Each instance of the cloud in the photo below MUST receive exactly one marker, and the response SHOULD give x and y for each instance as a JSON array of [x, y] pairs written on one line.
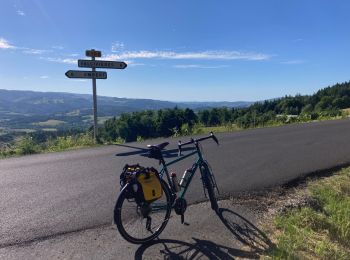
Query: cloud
[[206, 55], [20, 13], [117, 46], [198, 66], [292, 62], [60, 60], [35, 51], [4, 44], [57, 47], [44, 77], [132, 63]]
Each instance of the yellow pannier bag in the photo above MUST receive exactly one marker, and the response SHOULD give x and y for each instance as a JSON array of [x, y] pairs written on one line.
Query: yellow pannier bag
[[150, 183]]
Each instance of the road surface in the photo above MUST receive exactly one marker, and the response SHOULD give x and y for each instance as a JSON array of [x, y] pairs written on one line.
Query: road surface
[[50, 194]]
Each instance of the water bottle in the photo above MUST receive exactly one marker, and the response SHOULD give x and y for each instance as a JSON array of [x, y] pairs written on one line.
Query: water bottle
[[185, 178], [175, 182]]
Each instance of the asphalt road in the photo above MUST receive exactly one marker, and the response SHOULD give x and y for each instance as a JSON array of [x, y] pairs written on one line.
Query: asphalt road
[[57, 193]]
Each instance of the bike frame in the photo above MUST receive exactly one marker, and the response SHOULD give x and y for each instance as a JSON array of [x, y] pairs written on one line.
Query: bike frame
[[199, 161]]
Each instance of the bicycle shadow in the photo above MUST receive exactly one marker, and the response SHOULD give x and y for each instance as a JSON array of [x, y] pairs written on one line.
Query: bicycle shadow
[[175, 249], [254, 240], [245, 231], [171, 153]]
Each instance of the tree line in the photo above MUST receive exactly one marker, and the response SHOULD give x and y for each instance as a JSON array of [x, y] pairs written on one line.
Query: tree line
[[327, 102]]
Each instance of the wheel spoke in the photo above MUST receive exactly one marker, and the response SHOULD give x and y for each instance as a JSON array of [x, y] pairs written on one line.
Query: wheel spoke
[[131, 219]]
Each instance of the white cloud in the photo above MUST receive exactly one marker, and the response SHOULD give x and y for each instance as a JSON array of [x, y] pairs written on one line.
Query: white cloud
[[291, 62], [206, 55], [57, 47], [35, 51], [4, 44], [44, 77], [117, 46], [198, 66], [20, 13], [132, 63], [60, 60]]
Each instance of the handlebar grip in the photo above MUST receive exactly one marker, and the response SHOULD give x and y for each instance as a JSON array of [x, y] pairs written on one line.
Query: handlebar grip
[[214, 138], [179, 144]]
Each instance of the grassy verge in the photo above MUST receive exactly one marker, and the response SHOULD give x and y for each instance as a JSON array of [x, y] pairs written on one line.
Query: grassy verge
[[321, 231], [200, 129], [27, 146]]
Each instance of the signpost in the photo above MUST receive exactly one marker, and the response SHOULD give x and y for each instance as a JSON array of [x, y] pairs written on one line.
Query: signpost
[[81, 74], [93, 74], [93, 53], [102, 64]]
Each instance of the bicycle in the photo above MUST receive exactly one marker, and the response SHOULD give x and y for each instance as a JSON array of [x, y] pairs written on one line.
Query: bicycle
[[140, 223]]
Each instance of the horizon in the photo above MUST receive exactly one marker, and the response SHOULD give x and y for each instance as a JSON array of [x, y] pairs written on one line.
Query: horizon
[[89, 94], [178, 52], [180, 101]]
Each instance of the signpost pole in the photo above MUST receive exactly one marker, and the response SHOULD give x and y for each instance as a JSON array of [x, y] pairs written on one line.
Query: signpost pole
[[93, 64], [95, 103]]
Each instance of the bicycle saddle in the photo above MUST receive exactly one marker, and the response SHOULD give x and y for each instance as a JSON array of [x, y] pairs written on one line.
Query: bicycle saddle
[[158, 146], [155, 151]]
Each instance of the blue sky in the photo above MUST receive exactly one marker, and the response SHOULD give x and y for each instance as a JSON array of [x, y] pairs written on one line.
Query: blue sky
[[178, 50]]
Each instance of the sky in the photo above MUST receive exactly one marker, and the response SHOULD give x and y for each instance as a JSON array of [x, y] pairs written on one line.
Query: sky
[[180, 50]]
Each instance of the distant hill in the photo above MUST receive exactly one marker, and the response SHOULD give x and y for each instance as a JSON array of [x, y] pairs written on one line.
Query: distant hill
[[30, 109]]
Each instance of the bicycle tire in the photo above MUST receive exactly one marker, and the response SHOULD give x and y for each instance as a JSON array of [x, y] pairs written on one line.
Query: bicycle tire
[[209, 185], [122, 225]]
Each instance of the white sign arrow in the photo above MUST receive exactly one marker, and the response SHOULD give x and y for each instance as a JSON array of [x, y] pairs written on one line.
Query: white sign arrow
[[102, 64], [86, 74]]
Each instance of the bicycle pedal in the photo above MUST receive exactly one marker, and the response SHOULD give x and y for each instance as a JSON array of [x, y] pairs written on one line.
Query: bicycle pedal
[[183, 221]]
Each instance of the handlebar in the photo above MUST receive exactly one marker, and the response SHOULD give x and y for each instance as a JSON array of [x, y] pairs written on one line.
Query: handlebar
[[193, 141]]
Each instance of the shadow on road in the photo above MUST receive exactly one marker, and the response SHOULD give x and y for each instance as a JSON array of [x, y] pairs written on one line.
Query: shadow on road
[[253, 239], [244, 231], [199, 248], [145, 151]]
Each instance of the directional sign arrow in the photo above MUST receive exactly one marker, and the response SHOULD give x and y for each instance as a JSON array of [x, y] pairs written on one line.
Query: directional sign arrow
[[102, 64], [86, 74]]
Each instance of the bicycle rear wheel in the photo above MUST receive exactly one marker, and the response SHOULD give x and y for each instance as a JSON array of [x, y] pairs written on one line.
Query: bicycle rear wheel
[[139, 223], [209, 183]]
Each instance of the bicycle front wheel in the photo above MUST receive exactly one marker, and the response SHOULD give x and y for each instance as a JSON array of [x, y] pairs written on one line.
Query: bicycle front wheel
[[209, 183], [139, 223]]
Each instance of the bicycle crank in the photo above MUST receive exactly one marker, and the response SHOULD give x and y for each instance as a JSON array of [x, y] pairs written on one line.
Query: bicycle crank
[[180, 208]]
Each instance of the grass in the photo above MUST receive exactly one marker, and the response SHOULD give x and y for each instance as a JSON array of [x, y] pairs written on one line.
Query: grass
[[27, 146], [346, 112], [103, 119], [73, 113], [50, 122], [217, 129], [318, 232]]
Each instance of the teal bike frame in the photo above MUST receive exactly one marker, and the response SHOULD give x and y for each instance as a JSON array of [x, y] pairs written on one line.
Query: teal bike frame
[[194, 168], [199, 161]]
